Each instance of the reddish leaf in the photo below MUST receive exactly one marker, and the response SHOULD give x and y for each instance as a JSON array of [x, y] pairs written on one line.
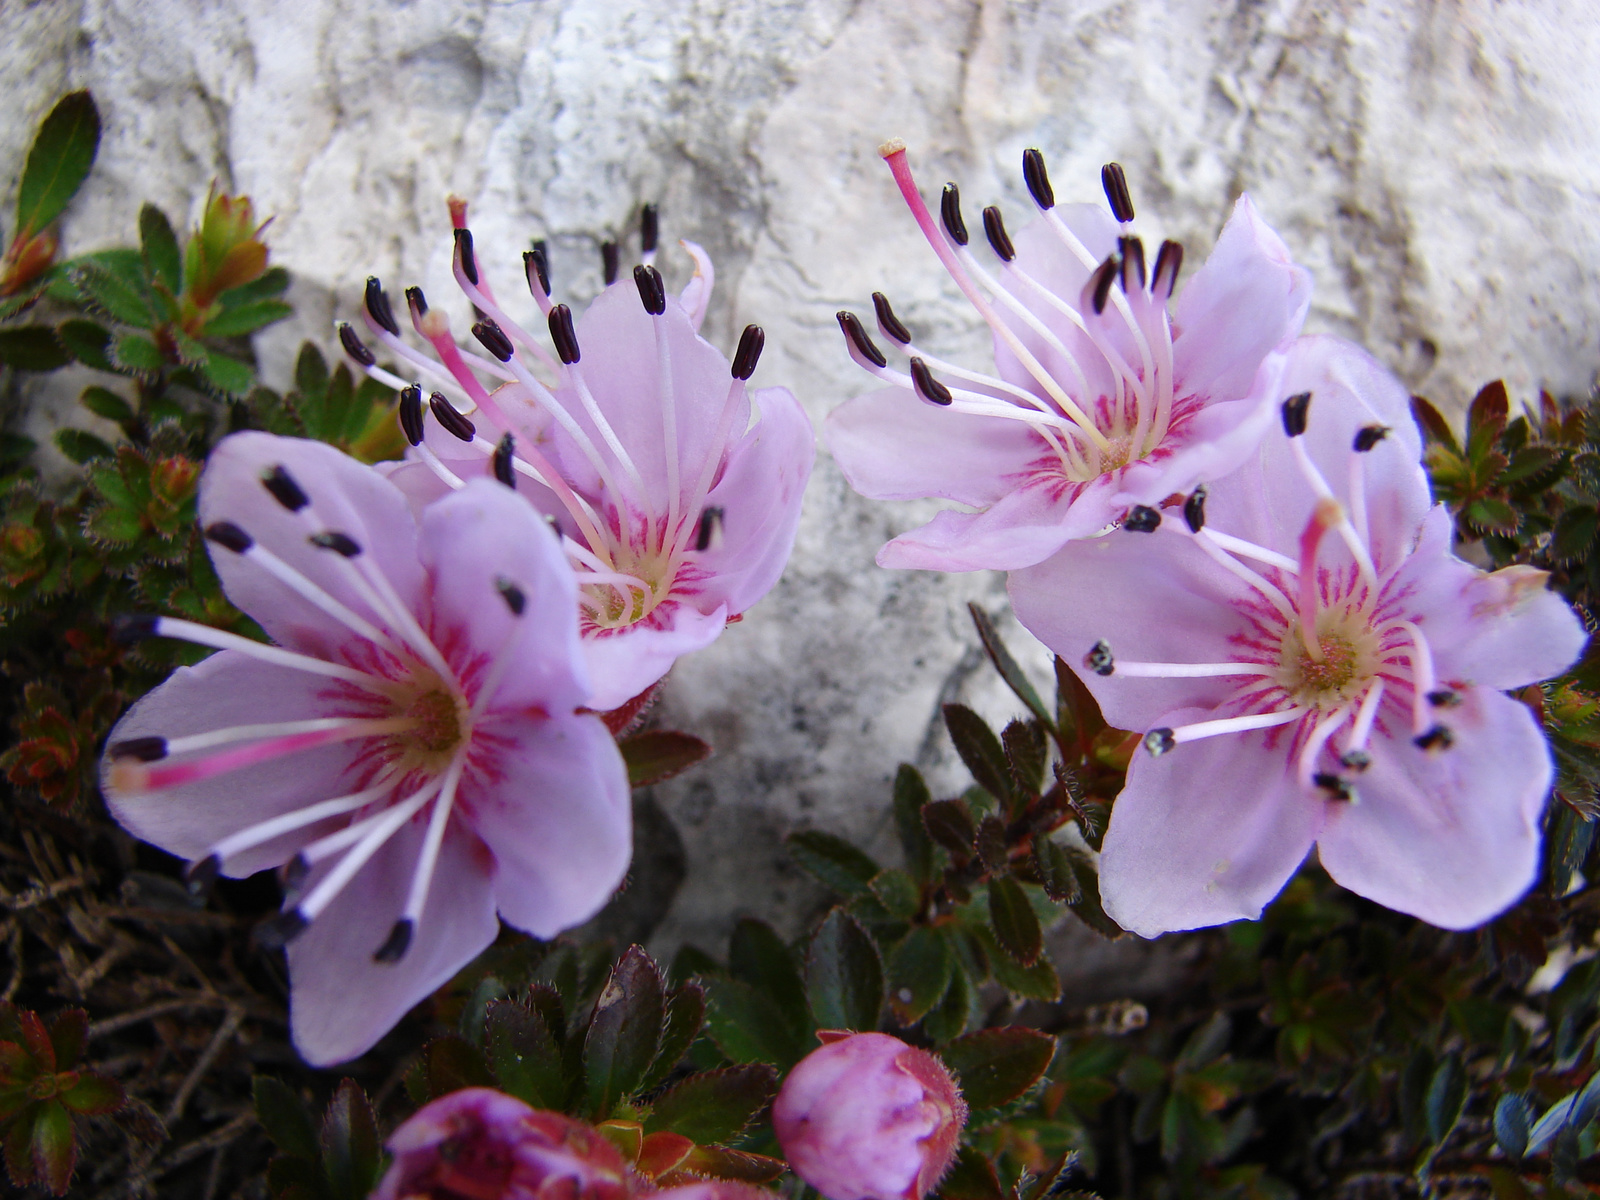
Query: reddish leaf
[[94, 1094], [37, 1041], [660, 754], [54, 1150], [66, 1036]]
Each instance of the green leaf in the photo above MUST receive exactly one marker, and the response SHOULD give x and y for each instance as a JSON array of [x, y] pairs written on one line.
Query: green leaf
[[449, 1064], [844, 975], [686, 1015], [58, 162], [910, 794], [160, 245], [1015, 925], [311, 372], [113, 294], [32, 348], [949, 822], [1038, 982], [832, 861], [105, 403], [748, 1026], [971, 1177], [898, 893], [919, 974], [1207, 1042], [88, 342], [1434, 424], [992, 847], [995, 1066], [274, 281], [715, 1106], [624, 1032], [1486, 419], [138, 353], [525, 1055], [1447, 1096], [659, 754], [54, 1148], [94, 1095], [1007, 666], [1512, 1120], [247, 318], [81, 446], [285, 1118], [759, 957], [980, 750], [351, 1156], [955, 1009], [1087, 907], [1053, 864], [228, 374]]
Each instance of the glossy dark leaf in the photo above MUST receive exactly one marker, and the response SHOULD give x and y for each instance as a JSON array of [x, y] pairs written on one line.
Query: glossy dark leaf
[[714, 1106], [286, 1119], [351, 1156], [844, 975], [54, 1147], [686, 1016], [162, 258], [32, 348], [955, 1010], [1024, 745], [748, 1026], [525, 1055], [1434, 424], [659, 754], [971, 1177], [995, 1066], [910, 795], [759, 957], [58, 162], [949, 822], [104, 403], [1446, 1097], [88, 342], [898, 893], [919, 973], [624, 1032], [1038, 982], [1512, 1120], [832, 861], [81, 446], [1007, 666], [1016, 926], [1486, 418], [980, 750]]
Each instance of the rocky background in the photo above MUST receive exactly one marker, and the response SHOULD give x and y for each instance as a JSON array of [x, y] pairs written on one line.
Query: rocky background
[[1436, 165]]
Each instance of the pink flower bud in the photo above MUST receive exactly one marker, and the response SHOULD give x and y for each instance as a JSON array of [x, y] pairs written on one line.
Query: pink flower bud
[[480, 1143], [868, 1117]]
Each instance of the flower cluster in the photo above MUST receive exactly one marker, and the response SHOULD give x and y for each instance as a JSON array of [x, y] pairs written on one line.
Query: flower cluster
[[1225, 529]]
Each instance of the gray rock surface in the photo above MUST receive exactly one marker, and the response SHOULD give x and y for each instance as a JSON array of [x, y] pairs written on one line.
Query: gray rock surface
[[1437, 166]]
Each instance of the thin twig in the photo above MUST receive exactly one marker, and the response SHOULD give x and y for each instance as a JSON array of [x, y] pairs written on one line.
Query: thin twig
[[161, 1009], [38, 895], [229, 1026]]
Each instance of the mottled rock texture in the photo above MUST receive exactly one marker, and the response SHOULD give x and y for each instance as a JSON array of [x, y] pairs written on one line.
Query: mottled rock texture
[[1437, 165]]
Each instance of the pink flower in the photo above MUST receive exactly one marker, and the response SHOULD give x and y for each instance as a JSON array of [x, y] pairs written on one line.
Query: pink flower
[[480, 1144], [409, 747], [1101, 401], [1312, 665], [635, 437], [867, 1117]]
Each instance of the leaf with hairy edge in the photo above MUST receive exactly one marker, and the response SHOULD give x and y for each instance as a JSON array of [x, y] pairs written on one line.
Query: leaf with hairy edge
[[88, 342], [980, 750], [686, 1015], [624, 1032], [525, 1055], [81, 446], [1053, 864], [844, 975], [759, 957], [285, 1118], [162, 258], [351, 1157], [447, 1064], [1087, 907], [58, 162], [996, 1066], [94, 1095], [919, 974], [32, 348], [954, 1011], [910, 794], [247, 318], [135, 352], [1038, 982], [714, 1106], [832, 861], [1026, 753], [949, 822], [228, 374], [971, 1177], [659, 754], [105, 403], [747, 1025], [898, 893], [1015, 924], [54, 1149], [1007, 666]]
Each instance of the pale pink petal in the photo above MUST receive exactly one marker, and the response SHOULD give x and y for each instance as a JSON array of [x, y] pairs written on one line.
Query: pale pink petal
[[557, 818], [346, 497], [1249, 297], [1153, 597], [621, 665], [341, 1001], [759, 495], [1207, 833], [224, 690], [1022, 528], [1450, 836], [696, 295], [892, 446], [478, 540]]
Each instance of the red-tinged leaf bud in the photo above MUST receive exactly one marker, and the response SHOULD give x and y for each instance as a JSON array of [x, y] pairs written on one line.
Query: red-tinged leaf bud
[[225, 252], [480, 1142], [26, 259], [868, 1117]]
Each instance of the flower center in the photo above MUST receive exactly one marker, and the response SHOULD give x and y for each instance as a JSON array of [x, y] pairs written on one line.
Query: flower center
[[618, 605], [440, 719], [1346, 667]]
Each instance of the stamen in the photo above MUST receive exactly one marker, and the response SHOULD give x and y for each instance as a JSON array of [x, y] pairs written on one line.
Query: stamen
[[994, 228], [503, 454], [1100, 659], [563, 335], [1355, 754], [378, 306], [1100, 283], [1167, 738], [1369, 436], [853, 330], [277, 932], [1444, 698], [1194, 509], [443, 473], [411, 414], [1337, 788], [1211, 544], [1420, 655], [355, 347], [929, 388], [1037, 179], [514, 597], [950, 213], [493, 338], [888, 323], [229, 536], [428, 858], [1318, 738], [652, 289], [648, 229], [1261, 554], [264, 831], [537, 270], [608, 262], [127, 628], [450, 419], [1438, 737], [1296, 413], [284, 489], [469, 261], [1141, 518], [382, 829], [1169, 261], [341, 544], [751, 342], [1116, 186], [397, 943], [314, 733], [139, 749], [710, 529], [204, 635], [1132, 250], [201, 875], [418, 303], [1159, 670], [1324, 517]]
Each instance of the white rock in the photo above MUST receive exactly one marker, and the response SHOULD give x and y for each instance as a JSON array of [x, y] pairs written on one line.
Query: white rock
[[1438, 168]]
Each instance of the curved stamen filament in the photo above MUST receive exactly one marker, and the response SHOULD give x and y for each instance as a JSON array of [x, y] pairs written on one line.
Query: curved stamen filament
[[1420, 655], [1316, 740], [1366, 715], [487, 305], [1158, 670], [1272, 594], [612, 441], [450, 479], [429, 366], [432, 840], [264, 831], [669, 420], [306, 588], [135, 777], [1246, 549], [1347, 531], [546, 399], [349, 727], [376, 832], [1325, 516], [204, 635], [1206, 729]]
